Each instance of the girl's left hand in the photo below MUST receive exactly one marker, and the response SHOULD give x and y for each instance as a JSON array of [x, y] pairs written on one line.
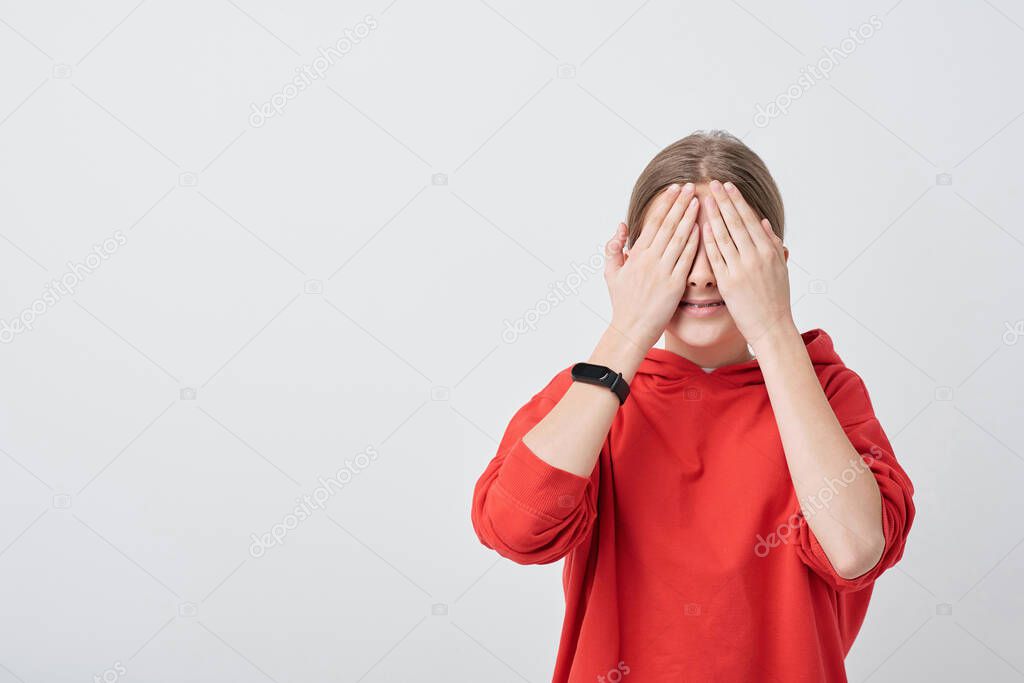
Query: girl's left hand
[[749, 263]]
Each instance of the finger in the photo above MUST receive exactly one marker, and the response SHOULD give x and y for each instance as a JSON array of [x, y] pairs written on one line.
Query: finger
[[613, 256], [774, 241], [682, 232], [747, 215], [737, 230], [656, 211], [720, 232], [718, 264], [672, 219], [689, 253]]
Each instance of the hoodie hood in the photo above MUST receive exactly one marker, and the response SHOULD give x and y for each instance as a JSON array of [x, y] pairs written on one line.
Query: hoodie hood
[[668, 366]]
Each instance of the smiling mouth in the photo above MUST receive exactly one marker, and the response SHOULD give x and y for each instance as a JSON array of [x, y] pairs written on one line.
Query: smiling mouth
[[701, 304]]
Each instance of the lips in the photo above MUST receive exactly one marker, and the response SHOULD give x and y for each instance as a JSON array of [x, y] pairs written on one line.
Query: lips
[[709, 308], [701, 304]]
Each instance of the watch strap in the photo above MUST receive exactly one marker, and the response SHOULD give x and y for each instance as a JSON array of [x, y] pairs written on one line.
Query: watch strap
[[603, 376]]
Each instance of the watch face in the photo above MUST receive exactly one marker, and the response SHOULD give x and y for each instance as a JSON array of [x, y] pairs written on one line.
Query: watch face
[[588, 371]]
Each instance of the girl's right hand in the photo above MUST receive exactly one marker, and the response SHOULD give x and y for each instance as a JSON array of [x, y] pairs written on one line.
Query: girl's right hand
[[647, 284]]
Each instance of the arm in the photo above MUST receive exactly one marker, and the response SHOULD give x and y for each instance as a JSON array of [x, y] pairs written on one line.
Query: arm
[[749, 262], [817, 450], [851, 404], [569, 437], [536, 501], [645, 290]]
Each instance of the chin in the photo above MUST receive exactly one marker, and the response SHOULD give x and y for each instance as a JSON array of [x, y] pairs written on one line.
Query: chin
[[703, 332]]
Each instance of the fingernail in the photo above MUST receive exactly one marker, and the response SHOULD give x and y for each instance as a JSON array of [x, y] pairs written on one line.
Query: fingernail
[[693, 202], [688, 187], [715, 184], [730, 186], [673, 187]]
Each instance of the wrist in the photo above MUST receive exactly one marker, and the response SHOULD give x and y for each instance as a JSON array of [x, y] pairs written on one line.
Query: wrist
[[620, 352], [782, 332]]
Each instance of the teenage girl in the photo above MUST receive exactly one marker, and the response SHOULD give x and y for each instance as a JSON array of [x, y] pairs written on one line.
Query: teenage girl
[[723, 504]]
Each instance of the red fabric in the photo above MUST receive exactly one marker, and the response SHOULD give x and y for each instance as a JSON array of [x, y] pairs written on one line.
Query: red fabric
[[687, 557]]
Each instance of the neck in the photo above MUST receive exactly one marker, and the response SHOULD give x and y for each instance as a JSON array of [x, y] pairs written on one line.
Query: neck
[[726, 352]]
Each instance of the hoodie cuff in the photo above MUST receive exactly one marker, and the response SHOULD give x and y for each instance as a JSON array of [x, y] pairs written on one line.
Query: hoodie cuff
[[539, 487]]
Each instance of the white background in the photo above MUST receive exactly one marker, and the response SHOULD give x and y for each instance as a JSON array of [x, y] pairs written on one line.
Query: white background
[[321, 295]]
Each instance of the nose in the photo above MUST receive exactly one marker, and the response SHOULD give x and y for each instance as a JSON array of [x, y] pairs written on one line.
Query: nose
[[701, 276]]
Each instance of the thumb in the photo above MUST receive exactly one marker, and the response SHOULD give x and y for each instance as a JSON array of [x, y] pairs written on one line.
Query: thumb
[[613, 257]]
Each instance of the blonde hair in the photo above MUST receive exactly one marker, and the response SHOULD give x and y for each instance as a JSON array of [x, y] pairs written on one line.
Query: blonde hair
[[700, 157]]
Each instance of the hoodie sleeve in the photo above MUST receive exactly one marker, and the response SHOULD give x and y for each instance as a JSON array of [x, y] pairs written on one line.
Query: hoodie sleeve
[[524, 508], [850, 401]]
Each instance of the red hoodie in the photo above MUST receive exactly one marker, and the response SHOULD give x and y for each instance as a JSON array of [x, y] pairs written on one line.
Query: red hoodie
[[687, 555]]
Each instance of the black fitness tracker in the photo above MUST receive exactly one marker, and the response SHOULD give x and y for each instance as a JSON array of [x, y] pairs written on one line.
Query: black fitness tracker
[[588, 373]]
